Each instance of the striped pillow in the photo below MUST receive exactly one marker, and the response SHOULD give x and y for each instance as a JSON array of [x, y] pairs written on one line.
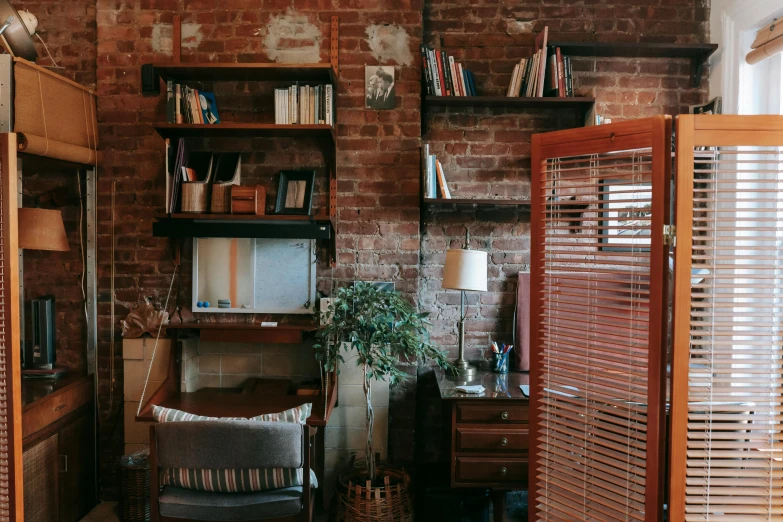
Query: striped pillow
[[298, 415], [235, 480]]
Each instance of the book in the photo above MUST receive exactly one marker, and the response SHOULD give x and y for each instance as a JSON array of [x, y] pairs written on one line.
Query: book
[[568, 76], [435, 75], [461, 78], [329, 105], [443, 85], [526, 76], [512, 83], [540, 46], [425, 171], [444, 189], [170, 109], [453, 76], [209, 110], [427, 74], [561, 88], [177, 103], [472, 83]]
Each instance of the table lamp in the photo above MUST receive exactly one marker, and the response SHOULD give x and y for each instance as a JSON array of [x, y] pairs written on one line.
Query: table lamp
[[41, 229], [464, 270]]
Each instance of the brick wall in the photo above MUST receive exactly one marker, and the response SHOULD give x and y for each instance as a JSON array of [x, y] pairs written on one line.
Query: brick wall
[[484, 151]]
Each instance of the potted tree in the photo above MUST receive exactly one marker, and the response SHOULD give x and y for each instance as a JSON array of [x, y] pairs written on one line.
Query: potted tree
[[384, 330]]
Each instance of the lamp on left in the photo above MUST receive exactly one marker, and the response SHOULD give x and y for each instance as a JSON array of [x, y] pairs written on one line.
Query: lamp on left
[[42, 229]]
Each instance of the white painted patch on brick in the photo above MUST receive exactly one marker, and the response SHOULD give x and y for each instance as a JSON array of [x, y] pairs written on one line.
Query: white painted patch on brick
[[518, 26], [389, 43], [162, 37], [292, 38]]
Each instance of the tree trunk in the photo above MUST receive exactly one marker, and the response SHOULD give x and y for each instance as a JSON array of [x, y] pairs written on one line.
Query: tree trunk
[[369, 457]]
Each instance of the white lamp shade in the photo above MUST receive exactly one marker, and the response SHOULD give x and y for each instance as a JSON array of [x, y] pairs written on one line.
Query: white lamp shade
[[465, 270]]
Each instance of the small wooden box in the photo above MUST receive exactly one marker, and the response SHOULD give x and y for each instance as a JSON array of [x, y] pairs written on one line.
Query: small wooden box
[[248, 200]]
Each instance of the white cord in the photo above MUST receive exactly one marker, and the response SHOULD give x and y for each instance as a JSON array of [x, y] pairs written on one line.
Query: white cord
[[47, 50]]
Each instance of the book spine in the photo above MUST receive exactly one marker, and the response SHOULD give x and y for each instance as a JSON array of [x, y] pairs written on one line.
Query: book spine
[[425, 154], [329, 105], [472, 82], [460, 79], [170, 112], [569, 79], [435, 75], [453, 77], [444, 88], [425, 72], [444, 189], [444, 58], [512, 82], [177, 103], [432, 172], [561, 89]]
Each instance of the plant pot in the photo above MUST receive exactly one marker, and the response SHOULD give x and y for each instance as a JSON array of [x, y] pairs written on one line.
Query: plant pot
[[357, 500]]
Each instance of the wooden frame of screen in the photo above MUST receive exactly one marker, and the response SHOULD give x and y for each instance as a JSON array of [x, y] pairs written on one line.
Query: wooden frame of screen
[[696, 131], [10, 273], [651, 132]]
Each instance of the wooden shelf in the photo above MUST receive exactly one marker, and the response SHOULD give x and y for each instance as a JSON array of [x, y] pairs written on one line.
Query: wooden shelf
[[243, 130], [582, 104], [281, 227], [462, 202], [255, 72], [240, 217], [696, 53], [248, 333]]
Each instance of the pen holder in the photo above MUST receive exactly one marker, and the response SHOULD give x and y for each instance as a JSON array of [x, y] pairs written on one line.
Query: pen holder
[[500, 362]]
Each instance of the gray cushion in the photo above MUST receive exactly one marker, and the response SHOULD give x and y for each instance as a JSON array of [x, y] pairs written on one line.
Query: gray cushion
[[229, 444], [189, 504]]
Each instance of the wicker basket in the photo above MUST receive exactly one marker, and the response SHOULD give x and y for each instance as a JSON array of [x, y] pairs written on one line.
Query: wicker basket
[[134, 478], [360, 502]]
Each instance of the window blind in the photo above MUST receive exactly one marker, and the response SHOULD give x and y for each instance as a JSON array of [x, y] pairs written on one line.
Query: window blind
[[727, 396], [598, 292], [11, 498]]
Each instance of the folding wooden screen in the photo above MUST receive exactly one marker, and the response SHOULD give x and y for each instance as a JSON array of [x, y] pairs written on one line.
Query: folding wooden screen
[[727, 382], [11, 499], [599, 270]]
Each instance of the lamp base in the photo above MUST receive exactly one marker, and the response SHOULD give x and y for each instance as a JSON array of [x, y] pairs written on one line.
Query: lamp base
[[465, 370]]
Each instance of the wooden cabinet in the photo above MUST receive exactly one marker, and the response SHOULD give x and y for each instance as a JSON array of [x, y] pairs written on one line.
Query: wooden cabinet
[[490, 435], [59, 450]]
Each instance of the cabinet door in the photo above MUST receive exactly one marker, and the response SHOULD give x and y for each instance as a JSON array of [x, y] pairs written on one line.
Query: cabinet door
[[40, 481], [77, 468]]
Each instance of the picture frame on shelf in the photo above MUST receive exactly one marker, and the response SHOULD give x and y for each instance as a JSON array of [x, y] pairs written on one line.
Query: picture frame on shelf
[[295, 192]]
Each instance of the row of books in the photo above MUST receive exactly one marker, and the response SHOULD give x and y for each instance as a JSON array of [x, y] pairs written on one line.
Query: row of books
[[445, 77], [557, 78], [305, 105], [187, 105], [434, 176]]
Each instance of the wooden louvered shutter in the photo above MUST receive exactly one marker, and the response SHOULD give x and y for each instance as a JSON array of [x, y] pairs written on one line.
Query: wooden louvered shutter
[[598, 291], [11, 494], [727, 380]]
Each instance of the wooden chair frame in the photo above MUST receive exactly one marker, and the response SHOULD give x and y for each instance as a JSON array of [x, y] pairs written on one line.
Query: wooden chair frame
[[308, 493]]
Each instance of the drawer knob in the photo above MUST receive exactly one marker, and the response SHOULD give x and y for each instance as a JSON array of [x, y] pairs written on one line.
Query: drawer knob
[[504, 415], [504, 441], [503, 471]]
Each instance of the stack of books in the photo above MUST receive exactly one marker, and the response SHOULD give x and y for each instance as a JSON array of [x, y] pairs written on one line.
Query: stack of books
[[434, 176], [305, 105], [445, 77], [187, 105], [546, 73]]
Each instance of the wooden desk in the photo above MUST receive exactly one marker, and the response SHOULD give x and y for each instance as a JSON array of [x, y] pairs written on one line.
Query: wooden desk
[[58, 425], [489, 435]]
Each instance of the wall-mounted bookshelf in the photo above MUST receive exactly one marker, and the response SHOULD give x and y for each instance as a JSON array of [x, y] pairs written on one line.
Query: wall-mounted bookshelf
[[696, 53], [250, 72], [242, 226], [474, 202], [580, 104], [244, 130]]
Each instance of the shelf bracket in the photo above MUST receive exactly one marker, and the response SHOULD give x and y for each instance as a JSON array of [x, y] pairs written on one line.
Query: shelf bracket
[[697, 64], [334, 45], [176, 39]]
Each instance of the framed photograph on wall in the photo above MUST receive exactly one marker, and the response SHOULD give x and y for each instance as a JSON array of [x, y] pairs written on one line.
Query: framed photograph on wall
[[380, 93], [295, 192]]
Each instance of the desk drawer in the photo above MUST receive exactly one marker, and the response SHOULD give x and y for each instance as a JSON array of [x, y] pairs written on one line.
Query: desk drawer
[[491, 470], [55, 407], [499, 414], [471, 439]]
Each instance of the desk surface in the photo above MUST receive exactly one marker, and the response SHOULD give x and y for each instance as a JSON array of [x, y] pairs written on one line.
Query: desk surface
[[36, 389], [497, 386]]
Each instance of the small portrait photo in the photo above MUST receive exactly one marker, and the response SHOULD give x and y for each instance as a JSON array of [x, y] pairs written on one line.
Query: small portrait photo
[[295, 192], [379, 84]]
